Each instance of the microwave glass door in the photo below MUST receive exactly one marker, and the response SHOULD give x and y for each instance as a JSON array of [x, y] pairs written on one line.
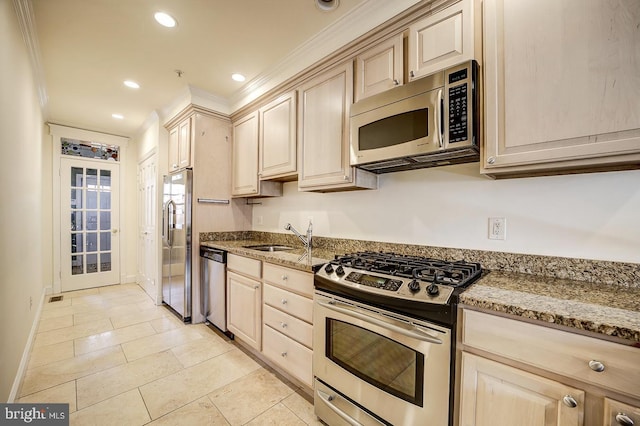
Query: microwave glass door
[[397, 129], [384, 363]]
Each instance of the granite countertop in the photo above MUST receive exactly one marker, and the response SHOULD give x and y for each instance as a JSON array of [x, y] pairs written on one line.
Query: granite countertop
[[605, 303], [603, 309], [289, 258]]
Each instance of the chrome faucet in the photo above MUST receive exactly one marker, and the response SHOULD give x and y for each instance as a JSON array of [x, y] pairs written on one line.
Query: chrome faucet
[[306, 240]]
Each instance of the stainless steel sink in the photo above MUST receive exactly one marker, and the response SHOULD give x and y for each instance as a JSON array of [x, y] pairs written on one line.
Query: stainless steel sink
[[269, 247]]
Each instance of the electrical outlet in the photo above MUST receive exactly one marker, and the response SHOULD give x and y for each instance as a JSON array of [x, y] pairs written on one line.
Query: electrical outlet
[[497, 228]]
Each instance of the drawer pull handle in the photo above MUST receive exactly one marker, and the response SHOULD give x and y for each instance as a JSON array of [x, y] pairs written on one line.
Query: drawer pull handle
[[283, 324], [596, 366], [624, 420], [284, 278], [284, 354], [284, 301], [570, 401]]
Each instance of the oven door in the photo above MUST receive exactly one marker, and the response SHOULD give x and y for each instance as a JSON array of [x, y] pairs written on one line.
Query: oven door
[[394, 367]]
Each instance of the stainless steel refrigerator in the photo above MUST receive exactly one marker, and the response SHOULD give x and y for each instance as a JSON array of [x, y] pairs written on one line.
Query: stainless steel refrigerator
[[176, 242]]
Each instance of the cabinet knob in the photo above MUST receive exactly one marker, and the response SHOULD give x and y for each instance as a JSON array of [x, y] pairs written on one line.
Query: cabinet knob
[[412, 74], [596, 366], [283, 354], [570, 401], [396, 82], [491, 160], [285, 277], [624, 420], [256, 287], [283, 324], [284, 301]]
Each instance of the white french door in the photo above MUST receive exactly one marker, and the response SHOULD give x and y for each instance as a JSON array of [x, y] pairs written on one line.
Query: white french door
[[89, 223]]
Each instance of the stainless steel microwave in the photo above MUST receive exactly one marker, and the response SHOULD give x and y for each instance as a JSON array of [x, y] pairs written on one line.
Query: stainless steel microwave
[[432, 121]]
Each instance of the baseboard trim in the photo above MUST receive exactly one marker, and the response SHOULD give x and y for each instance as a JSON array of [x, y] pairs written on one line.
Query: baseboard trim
[[24, 361]]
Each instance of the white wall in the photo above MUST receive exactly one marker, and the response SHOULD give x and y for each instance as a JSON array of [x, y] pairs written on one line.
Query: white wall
[[21, 248], [590, 216]]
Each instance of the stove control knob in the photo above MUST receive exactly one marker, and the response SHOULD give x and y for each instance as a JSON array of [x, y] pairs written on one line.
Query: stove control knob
[[432, 290], [328, 269], [340, 271], [414, 286]]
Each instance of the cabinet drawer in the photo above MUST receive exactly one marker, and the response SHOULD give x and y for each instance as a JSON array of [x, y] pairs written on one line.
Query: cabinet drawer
[[288, 354], [244, 265], [298, 281], [298, 330], [616, 413], [557, 351], [293, 304]]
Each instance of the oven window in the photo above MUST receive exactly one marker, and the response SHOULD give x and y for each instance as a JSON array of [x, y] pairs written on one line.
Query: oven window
[[394, 130], [382, 362]]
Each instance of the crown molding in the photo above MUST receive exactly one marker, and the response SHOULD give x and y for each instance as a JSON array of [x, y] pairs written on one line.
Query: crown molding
[[363, 18], [27, 24]]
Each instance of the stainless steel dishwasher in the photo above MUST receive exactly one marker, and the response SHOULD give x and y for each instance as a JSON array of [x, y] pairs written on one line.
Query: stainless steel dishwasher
[[213, 277]]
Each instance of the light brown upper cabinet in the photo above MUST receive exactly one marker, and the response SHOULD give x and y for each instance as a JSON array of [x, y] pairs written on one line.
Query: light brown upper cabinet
[[562, 86], [441, 40], [180, 144], [277, 140], [245, 156], [323, 133], [379, 68], [244, 163]]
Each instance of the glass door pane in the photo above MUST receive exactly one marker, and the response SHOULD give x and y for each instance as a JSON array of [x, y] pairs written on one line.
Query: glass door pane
[[91, 209]]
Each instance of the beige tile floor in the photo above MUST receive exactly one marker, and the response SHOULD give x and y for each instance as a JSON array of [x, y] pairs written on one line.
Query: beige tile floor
[[117, 359]]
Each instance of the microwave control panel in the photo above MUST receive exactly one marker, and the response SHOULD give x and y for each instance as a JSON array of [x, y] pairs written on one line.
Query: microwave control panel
[[458, 107]]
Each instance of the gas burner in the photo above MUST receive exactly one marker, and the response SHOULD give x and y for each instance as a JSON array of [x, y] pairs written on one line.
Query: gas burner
[[421, 287], [452, 273]]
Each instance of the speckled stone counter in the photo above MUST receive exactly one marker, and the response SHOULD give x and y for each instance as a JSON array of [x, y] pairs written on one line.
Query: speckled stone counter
[[599, 297], [598, 308]]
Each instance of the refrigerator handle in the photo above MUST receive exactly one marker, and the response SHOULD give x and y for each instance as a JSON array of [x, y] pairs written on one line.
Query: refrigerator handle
[[171, 222]]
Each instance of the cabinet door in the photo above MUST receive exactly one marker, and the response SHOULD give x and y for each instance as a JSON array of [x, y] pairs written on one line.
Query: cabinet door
[[278, 138], [562, 85], [184, 144], [323, 133], [180, 145], [244, 313], [245, 156], [617, 413], [173, 149], [379, 68], [493, 393], [441, 40]]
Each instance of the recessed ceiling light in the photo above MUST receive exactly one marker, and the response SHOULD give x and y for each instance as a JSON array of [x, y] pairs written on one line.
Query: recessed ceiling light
[[238, 77], [165, 19], [132, 84], [118, 116]]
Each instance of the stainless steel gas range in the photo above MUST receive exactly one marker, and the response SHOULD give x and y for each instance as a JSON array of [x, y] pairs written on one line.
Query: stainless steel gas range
[[384, 334]]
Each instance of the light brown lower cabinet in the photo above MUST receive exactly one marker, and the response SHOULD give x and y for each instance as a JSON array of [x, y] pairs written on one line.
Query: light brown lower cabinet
[[244, 309], [514, 372], [496, 394], [617, 413]]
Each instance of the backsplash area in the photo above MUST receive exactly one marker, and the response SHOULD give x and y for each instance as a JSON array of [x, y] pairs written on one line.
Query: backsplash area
[[595, 271]]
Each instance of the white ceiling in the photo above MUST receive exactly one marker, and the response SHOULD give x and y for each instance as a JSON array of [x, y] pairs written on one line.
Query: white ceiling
[[89, 47]]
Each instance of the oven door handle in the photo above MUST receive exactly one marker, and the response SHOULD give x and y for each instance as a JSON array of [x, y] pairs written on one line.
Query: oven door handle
[[414, 332], [327, 400]]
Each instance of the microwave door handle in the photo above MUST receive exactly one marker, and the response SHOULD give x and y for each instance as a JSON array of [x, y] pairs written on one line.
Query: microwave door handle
[[414, 332], [440, 118]]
